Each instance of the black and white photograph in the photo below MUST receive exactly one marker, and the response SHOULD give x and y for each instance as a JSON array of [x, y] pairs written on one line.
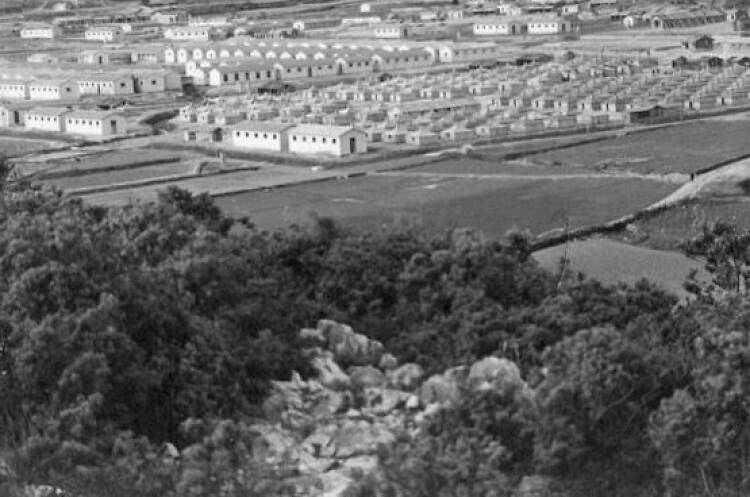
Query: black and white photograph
[[374, 248]]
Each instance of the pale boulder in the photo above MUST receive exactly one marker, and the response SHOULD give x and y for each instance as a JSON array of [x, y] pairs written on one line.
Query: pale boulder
[[535, 486], [356, 438], [439, 389], [321, 442], [350, 347], [406, 377], [383, 401], [388, 362], [366, 377], [495, 369], [329, 373]]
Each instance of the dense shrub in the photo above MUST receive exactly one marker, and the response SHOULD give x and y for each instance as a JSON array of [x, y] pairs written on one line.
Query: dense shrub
[[126, 330]]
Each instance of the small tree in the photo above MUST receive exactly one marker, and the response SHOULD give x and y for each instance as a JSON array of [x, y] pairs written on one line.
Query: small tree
[[727, 254], [5, 169]]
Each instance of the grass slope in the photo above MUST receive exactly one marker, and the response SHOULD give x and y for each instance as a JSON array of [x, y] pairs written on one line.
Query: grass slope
[[612, 262], [669, 228]]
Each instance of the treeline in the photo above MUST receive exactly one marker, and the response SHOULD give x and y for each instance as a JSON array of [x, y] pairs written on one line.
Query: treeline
[[123, 329]]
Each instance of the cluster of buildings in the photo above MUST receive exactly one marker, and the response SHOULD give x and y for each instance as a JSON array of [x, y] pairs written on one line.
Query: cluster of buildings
[[422, 75], [70, 82], [673, 17], [395, 22], [252, 61], [302, 139], [536, 25], [90, 123], [105, 27], [427, 110], [39, 31]]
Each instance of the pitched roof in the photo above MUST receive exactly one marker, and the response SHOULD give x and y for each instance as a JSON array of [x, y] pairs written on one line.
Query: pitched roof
[[39, 25], [104, 28], [92, 114], [49, 111], [102, 77], [49, 82], [321, 130], [263, 126]]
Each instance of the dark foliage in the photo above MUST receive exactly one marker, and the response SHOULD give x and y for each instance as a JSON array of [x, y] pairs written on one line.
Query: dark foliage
[[124, 329]]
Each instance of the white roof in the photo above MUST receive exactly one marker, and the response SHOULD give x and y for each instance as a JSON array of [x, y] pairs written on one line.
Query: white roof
[[37, 26], [104, 28], [49, 111], [321, 130], [49, 82], [263, 126], [92, 114]]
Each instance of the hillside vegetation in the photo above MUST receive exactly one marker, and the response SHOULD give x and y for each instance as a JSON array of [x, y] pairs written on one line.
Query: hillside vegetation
[[141, 348]]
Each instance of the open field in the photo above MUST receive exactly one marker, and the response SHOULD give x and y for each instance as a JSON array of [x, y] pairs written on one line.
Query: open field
[[436, 204], [669, 228], [253, 176], [469, 165], [72, 165], [676, 149], [529, 146], [613, 262], [18, 146], [171, 169]]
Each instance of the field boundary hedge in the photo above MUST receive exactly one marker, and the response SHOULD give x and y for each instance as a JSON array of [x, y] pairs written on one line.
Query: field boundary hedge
[[621, 223]]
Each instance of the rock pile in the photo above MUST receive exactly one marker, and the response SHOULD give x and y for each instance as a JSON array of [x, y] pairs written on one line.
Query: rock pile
[[330, 427]]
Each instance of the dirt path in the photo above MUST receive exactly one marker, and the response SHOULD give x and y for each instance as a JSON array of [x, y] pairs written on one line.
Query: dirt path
[[727, 176]]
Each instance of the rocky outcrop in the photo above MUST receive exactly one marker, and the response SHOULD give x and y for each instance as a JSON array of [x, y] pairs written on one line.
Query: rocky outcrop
[[366, 377], [328, 429], [406, 377], [329, 373], [536, 486], [498, 374], [331, 426], [349, 347], [443, 389], [388, 362]]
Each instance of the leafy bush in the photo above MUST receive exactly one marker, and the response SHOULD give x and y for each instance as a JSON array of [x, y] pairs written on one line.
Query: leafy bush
[[125, 332]]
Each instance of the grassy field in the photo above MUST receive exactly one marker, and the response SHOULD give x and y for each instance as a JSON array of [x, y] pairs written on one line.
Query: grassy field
[[670, 228], [434, 204], [528, 146], [676, 149], [11, 147], [123, 159], [613, 262], [469, 165], [122, 176]]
